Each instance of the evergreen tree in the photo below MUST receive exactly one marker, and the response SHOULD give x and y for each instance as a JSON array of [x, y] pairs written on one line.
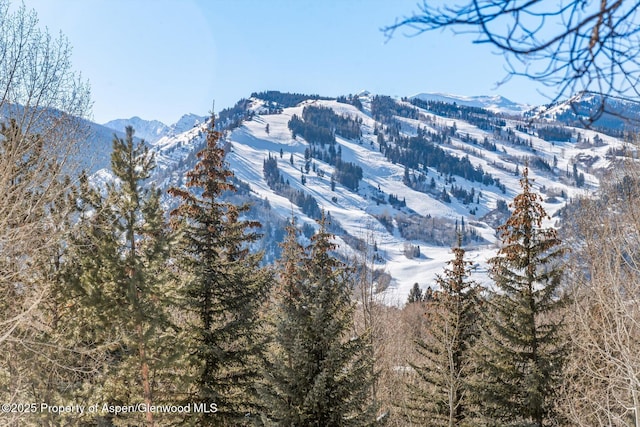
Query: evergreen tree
[[145, 252], [282, 381], [319, 375], [223, 292], [121, 283], [97, 292], [440, 397], [521, 352], [415, 294]]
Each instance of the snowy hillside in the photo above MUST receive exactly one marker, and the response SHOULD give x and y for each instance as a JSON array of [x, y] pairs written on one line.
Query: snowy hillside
[[496, 103], [612, 116], [405, 176]]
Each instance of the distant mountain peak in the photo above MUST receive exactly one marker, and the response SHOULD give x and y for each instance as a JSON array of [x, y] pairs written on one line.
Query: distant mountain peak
[[187, 122], [590, 109], [149, 130], [495, 103], [154, 130]]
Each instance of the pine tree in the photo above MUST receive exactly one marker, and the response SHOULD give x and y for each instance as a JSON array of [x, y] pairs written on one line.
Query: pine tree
[[521, 351], [281, 389], [319, 375], [121, 282], [415, 294], [86, 316], [440, 397], [223, 293]]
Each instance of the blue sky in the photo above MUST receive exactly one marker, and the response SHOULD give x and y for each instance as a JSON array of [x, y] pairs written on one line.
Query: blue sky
[[160, 59]]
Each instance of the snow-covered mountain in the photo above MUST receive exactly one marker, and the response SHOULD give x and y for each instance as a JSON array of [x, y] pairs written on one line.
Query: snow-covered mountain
[[404, 177], [153, 130], [495, 103], [186, 123], [611, 115], [95, 141], [149, 130]]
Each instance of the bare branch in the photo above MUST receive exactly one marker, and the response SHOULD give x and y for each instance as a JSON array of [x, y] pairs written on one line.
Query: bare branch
[[41, 102], [574, 46]]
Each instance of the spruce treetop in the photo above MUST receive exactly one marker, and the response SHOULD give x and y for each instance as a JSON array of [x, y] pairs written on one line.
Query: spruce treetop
[[524, 229], [209, 174]]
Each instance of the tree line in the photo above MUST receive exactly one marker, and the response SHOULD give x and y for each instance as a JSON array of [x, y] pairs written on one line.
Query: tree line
[[423, 150], [479, 117], [276, 182], [318, 126]]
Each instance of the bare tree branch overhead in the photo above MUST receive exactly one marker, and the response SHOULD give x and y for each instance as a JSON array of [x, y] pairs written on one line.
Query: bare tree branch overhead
[[571, 46]]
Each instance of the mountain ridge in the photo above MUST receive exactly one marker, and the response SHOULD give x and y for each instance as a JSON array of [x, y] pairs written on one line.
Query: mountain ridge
[[154, 130], [428, 172], [494, 103]]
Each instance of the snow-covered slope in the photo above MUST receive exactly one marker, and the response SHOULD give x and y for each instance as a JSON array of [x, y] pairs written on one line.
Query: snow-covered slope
[[96, 154], [398, 208], [355, 211], [495, 103], [611, 115], [93, 151], [367, 214]]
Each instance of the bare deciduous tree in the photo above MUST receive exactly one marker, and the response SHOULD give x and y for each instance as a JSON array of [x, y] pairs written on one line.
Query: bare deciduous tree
[[571, 46], [372, 318], [602, 385], [41, 102]]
